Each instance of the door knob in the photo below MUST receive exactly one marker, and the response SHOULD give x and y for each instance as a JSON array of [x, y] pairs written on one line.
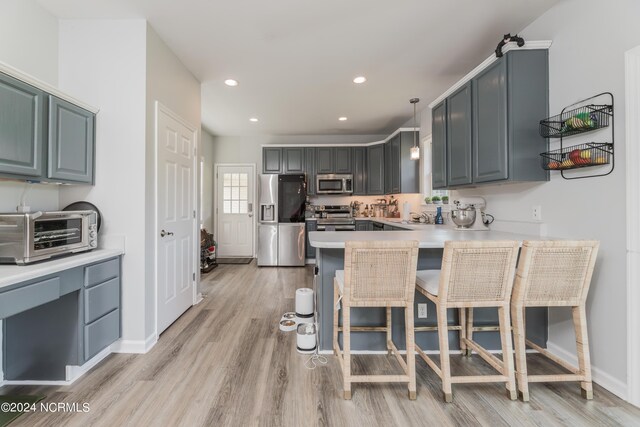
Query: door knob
[[165, 233]]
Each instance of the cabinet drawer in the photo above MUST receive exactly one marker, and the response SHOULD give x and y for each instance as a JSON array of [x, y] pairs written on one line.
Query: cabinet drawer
[[101, 333], [101, 299], [104, 271], [26, 297]]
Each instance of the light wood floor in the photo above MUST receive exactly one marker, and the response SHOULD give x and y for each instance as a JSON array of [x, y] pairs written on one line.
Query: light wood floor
[[224, 362]]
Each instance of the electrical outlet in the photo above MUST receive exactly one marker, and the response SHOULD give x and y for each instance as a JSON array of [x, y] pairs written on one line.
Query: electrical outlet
[[536, 213], [422, 311]]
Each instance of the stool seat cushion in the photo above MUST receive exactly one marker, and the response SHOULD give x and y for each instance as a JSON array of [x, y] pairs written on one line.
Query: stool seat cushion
[[340, 280], [429, 280]]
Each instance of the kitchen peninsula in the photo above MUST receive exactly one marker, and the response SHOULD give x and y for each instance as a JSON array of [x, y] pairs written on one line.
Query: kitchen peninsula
[[329, 247]]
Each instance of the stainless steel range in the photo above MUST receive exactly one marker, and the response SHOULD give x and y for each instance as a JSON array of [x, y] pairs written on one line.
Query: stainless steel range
[[336, 218]]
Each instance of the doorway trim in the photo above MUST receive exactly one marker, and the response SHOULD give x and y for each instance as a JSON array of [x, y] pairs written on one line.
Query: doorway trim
[[197, 297], [632, 137], [216, 203]]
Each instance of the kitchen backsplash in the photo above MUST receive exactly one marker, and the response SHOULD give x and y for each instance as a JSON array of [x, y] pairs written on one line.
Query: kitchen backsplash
[[415, 200]]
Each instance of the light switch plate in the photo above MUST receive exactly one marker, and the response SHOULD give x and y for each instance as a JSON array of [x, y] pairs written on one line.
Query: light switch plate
[[422, 311]]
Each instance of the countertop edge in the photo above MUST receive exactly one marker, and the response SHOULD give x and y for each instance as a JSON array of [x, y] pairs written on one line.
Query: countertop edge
[[13, 274]]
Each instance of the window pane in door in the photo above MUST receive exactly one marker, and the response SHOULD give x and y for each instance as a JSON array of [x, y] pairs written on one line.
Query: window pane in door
[[226, 207], [243, 207]]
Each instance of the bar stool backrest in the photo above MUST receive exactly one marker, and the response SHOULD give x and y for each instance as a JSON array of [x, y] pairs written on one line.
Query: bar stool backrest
[[477, 272], [380, 273], [555, 272]]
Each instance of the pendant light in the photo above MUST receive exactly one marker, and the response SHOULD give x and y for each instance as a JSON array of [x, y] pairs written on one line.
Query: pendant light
[[415, 150]]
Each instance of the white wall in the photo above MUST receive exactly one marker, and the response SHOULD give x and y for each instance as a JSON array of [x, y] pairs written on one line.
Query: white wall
[[583, 62], [29, 42], [170, 83], [207, 153], [103, 62]]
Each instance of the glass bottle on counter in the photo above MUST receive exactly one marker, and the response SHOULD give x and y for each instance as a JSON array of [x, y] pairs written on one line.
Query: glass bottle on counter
[[439, 220]]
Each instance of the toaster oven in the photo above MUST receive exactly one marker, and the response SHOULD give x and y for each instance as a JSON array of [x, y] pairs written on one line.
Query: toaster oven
[[31, 237]]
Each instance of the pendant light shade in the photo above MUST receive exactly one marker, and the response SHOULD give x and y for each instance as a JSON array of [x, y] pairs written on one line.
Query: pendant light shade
[[415, 150]]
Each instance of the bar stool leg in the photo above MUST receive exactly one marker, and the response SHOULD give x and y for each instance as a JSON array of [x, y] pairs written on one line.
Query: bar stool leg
[[469, 326], [507, 351], [346, 339], [389, 335], [519, 334], [335, 320], [443, 337], [582, 345], [411, 350], [462, 316]]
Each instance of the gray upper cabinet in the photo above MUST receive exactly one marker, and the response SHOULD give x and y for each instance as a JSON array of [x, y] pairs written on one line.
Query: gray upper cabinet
[[294, 160], [359, 169], [408, 169], [310, 170], [325, 160], [342, 160], [438, 146], [71, 142], [375, 169], [459, 137], [271, 160], [22, 128], [507, 100], [395, 164], [388, 167]]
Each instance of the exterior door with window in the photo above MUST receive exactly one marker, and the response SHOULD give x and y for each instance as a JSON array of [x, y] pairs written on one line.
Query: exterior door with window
[[234, 210]]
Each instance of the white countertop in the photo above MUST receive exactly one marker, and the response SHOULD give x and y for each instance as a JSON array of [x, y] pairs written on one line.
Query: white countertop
[[429, 236], [12, 274]]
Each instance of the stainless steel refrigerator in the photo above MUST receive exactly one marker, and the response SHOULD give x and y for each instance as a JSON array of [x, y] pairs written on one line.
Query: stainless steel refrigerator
[[281, 226]]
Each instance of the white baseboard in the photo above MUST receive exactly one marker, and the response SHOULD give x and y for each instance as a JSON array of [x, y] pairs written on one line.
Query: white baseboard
[[135, 346], [72, 373], [614, 385]]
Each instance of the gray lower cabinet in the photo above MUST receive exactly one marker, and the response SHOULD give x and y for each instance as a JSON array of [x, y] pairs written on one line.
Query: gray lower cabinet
[[375, 169], [23, 129], [310, 170], [364, 225], [69, 317], [325, 160], [359, 168], [294, 160], [71, 142], [342, 159], [272, 160], [459, 137], [310, 250]]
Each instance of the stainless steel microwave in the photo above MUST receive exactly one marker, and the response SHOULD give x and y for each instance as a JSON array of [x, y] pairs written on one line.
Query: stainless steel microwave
[[334, 184], [31, 237]]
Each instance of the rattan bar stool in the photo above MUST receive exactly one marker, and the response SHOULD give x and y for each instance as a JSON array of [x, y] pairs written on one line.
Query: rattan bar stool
[[376, 274], [554, 274], [474, 274]]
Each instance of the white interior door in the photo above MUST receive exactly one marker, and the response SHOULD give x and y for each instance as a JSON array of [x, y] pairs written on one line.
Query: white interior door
[[234, 210], [175, 263]]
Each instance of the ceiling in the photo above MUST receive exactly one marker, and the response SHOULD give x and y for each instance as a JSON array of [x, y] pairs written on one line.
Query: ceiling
[[295, 59]]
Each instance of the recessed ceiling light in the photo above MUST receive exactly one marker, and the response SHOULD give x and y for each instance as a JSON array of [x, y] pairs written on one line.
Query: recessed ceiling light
[[253, 119], [360, 79], [342, 119], [231, 82]]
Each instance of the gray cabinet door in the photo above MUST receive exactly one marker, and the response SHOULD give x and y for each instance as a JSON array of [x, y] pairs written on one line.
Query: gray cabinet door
[[310, 170], [293, 160], [439, 146], [409, 168], [325, 160], [71, 142], [342, 159], [359, 169], [459, 137], [22, 128], [271, 160], [375, 170], [388, 167], [490, 160], [310, 250], [395, 164], [363, 225]]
